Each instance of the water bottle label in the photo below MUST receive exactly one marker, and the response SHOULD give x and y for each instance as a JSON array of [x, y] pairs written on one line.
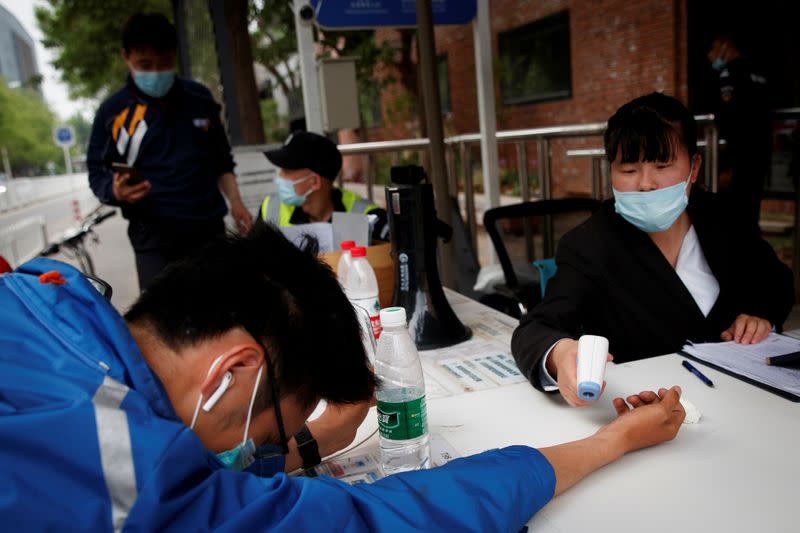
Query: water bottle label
[[373, 309], [402, 420]]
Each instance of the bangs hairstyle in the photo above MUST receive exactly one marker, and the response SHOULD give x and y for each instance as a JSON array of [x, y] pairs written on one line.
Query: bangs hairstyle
[[653, 128], [275, 291]]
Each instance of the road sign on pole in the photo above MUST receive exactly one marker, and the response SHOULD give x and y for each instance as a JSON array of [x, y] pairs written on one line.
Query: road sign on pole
[[357, 14], [64, 136]]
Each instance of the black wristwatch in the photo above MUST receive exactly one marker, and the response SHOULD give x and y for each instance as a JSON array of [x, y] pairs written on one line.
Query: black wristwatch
[[307, 446]]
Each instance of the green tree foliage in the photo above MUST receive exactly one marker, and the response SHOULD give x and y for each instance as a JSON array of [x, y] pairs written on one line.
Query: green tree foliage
[[86, 37], [83, 129], [26, 131]]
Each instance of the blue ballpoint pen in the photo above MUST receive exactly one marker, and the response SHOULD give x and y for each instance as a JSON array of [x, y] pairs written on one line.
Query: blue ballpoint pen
[[688, 366]]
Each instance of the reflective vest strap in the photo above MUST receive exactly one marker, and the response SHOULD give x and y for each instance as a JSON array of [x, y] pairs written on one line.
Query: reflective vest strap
[[286, 214], [353, 203], [276, 212]]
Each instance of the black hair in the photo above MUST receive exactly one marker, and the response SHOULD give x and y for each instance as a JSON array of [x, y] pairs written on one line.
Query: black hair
[[149, 30], [654, 127], [277, 292]]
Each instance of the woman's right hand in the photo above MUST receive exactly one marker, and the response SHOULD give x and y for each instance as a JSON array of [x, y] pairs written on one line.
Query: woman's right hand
[[562, 364]]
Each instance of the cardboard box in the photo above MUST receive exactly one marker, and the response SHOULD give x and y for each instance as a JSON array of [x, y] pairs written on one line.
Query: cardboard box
[[379, 257]]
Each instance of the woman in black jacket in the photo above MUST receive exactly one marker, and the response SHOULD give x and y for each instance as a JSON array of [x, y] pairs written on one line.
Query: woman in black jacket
[[663, 263]]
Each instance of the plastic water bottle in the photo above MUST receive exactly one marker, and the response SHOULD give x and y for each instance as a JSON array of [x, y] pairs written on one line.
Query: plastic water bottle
[[402, 417], [345, 262], [361, 287]]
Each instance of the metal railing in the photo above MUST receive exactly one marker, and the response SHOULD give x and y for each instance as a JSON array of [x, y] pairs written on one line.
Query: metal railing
[[458, 149]]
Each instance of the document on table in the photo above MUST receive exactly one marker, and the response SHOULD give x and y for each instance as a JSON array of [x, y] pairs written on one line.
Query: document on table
[[749, 360], [365, 467]]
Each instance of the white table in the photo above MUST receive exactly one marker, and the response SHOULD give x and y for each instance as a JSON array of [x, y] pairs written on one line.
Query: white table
[[735, 471]]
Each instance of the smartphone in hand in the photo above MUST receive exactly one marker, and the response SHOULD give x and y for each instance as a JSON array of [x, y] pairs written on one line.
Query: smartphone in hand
[[134, 179]]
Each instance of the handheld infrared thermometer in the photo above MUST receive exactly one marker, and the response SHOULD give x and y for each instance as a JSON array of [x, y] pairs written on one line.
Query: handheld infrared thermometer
[[592, 356]]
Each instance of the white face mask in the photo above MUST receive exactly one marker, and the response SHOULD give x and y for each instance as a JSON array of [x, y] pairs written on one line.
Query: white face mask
[[654, 211], [243, 455]]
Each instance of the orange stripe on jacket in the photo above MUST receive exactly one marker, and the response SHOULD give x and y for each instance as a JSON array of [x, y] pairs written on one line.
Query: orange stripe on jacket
[[119, 120], [138, 114]]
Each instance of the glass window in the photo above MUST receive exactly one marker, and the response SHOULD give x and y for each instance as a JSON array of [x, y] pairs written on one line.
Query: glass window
[[535, 61], [444, 84]]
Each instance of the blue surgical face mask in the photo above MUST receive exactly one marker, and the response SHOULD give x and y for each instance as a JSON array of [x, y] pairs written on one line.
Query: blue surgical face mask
[[288, 195], [243, 455], [653, 211], [154, 83]]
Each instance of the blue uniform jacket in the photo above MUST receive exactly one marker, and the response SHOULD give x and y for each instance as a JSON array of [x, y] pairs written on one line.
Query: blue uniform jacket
[[89, 441], [176, 142]]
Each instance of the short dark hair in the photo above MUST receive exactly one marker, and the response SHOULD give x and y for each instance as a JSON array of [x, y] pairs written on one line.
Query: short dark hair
[[149, 30], [283, 295], [650, 128]]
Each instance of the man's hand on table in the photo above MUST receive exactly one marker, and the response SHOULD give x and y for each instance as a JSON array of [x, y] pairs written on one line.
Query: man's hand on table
[[651, 419], [562, 364]]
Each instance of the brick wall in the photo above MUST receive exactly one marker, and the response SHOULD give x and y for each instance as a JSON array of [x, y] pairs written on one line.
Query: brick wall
[[620, 49]]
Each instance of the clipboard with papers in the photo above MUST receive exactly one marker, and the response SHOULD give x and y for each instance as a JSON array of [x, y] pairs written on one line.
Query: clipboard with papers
[[748, 362]]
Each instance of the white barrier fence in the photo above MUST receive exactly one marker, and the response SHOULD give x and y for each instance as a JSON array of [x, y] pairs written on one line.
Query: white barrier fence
[[20, 192]]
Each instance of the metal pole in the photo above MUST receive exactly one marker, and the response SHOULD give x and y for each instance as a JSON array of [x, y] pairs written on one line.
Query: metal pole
[[484, 75], [369, 175], [6, 164], [452, 179], [707, 157], [714, 156], [469, 194], [312, 104], [605, 178], [796, 250], [184, 59], [67, 159], [544, 177], [597, 182], [525, 192], [433, 118]]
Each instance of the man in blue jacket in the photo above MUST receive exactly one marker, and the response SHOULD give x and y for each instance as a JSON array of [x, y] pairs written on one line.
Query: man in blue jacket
[[159, 151], [177, 417]]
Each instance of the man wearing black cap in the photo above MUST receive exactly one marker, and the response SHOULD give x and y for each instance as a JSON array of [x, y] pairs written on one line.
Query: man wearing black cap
[[308, 164]]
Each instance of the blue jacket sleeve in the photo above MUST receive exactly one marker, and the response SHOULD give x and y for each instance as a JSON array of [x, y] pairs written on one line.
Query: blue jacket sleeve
[[98, 157], [497, 490]]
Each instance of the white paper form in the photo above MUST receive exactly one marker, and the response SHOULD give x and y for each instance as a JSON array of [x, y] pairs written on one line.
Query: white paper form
[[322, 231], [480, 363], [365, 467], [749, 360]]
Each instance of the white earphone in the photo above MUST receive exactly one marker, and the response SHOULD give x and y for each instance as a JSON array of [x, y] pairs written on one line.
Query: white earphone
[[214, 398]]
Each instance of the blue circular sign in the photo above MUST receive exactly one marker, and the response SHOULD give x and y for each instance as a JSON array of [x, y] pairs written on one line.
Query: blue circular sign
[[64, 136]]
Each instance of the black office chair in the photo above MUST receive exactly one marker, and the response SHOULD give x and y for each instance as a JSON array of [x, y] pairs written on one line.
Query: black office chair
[[519, 228]]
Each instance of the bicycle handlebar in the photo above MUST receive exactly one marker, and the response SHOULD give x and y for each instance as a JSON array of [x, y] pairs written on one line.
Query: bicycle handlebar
[[104, 216], [74, 237]]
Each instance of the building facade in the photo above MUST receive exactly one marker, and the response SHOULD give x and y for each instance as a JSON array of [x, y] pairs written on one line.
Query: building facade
[[18, 65]]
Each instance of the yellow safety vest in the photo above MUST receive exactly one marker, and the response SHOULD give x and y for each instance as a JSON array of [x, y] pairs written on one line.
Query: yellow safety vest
[[280, 214]]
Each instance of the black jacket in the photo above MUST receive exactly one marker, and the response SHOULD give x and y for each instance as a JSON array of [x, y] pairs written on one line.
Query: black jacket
[[613, 281], [183, 154]]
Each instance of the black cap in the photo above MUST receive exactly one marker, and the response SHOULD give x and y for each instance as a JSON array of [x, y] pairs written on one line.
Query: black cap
[[304, 149]]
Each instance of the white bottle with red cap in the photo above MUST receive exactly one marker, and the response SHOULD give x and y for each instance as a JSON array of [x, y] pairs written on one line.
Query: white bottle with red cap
[[361, 287], [345, 262]]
